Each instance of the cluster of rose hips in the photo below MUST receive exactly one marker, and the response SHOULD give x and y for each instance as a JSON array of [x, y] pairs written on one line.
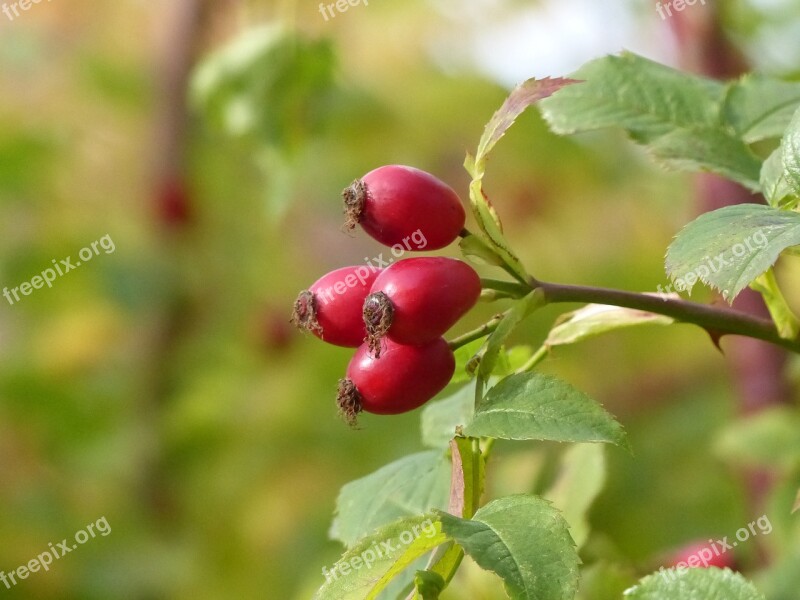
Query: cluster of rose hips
[[395, 316]]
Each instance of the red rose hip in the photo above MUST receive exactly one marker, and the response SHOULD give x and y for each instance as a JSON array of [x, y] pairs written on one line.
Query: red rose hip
[[699, 554], [417, 300], [332, 307], [406, 207], [404, 378]]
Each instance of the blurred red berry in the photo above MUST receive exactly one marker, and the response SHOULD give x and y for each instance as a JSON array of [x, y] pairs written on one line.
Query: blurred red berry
[[173, 205], [700, 554]]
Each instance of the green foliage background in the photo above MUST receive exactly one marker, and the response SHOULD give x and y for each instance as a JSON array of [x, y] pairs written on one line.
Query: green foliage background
[[156, 386]]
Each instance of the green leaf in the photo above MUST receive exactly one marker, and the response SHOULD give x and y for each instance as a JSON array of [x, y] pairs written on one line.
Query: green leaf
[[518, 313], [596, 319], [694, 584], [769, 439], [647, 99], [774, 185], [582, 474], [268, 85], [520, 98], [410, 486], [440, 418], [429, 536], [493, 237], [790, 146], [368, 567], [730, 247], [759, 108], [270, 88], [676, 115], [707, 149], [479, 251], [526, 542], [428, 585], [523, 96], [535, 406]]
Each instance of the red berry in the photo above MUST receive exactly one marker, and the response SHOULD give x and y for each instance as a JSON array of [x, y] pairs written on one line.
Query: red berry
[[405, 207], [332, 307], [272, 330], [404, 378], [173, 203], [699, 554], [417, 300]]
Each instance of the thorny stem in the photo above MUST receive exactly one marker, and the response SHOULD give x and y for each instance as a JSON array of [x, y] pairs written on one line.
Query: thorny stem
[[717, 321]]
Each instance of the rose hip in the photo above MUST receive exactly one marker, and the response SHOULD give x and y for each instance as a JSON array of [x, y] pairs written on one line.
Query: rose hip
[[702, 554], [417, 300], [406, 207], [331, 308], [404, 378]]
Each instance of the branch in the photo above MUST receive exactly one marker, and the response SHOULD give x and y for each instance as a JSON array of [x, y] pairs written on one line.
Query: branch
[[717, 321], [478, 333]]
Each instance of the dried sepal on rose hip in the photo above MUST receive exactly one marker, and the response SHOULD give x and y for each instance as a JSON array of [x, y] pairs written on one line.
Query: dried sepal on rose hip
[[416, 300], [332, 307], [404, 378], [406, 207]]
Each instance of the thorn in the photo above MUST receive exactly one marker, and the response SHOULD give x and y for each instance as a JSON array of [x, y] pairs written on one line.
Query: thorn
[[716, 336]]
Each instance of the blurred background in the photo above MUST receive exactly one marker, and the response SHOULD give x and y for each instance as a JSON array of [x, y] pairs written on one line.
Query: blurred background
[[161, 385]]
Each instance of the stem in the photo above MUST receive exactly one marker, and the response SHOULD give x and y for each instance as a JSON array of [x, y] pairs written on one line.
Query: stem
[[785, 319], [510, 289], [534, 360], [488, 444], [720, 321], [476, 334]]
